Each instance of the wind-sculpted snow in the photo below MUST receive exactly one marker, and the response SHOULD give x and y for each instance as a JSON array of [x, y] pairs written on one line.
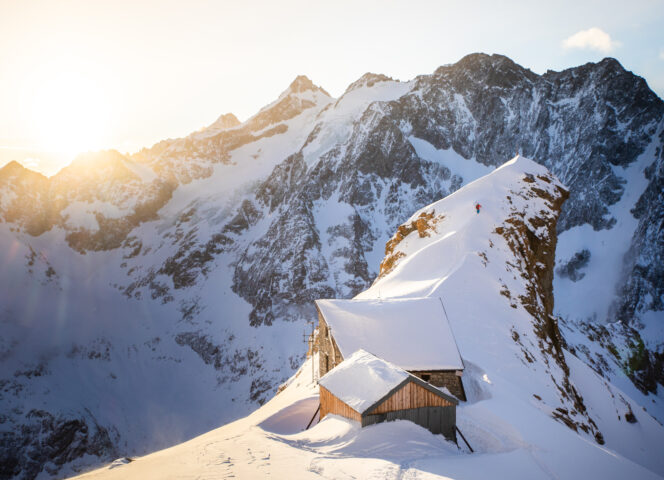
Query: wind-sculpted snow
[[218, 242]]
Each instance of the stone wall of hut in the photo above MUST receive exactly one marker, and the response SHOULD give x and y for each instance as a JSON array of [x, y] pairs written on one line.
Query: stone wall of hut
[[329, 355]]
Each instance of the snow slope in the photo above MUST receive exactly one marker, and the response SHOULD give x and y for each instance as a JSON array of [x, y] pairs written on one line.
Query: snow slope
[[534, 411], [272, 442]]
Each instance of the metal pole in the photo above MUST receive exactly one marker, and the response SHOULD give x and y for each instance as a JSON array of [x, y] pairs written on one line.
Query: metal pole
[[457, 429], [312, 418]]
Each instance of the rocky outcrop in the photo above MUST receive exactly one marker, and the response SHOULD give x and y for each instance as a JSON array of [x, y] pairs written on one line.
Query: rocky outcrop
[[532, 241], [45, 442], [423, 224]]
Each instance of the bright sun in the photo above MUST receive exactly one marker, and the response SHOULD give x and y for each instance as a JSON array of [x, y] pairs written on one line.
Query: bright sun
[[69, 113]]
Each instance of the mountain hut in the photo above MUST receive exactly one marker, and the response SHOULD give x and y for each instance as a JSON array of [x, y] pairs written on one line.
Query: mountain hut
[[370, 390], [412, 333]]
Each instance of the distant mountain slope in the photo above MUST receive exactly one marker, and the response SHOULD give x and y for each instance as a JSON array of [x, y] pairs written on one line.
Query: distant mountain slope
[[194, 263], [533, 410]]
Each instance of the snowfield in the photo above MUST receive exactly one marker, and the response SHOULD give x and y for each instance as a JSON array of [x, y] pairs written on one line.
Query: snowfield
[[520, 417], [272, 443]]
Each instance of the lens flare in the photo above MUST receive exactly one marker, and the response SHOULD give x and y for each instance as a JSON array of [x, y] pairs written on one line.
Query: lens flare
[[68, 112]]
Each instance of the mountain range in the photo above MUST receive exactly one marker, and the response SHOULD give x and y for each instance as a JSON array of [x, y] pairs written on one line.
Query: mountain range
[[148, 298]]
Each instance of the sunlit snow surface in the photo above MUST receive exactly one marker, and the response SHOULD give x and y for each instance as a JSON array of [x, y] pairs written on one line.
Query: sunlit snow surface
[[508, 417], [423, 341], [272, 443]]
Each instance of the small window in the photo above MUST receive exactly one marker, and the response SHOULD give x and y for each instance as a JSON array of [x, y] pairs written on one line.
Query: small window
[[327, 363], [426, 377]]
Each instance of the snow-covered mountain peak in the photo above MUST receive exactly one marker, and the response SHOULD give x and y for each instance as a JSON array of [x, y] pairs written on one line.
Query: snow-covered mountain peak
[[368, 80], [225, 120], [485, 67], [102, 166], [13, 173], [302, 83], [300, 95]]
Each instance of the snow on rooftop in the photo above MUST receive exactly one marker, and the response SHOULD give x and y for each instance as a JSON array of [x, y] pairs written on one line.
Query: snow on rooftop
[[412, 333], [362, 379]]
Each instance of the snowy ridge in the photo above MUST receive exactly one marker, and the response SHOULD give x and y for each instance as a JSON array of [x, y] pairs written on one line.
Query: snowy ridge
[[460, 234]]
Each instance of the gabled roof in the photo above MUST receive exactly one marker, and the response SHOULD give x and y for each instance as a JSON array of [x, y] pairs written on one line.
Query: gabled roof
[[363, 380], [412, 333]]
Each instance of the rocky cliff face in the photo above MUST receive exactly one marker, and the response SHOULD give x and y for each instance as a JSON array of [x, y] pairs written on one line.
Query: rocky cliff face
[[210, 243]]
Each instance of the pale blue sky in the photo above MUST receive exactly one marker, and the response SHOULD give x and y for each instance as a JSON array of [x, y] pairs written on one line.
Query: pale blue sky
[[124, 74]]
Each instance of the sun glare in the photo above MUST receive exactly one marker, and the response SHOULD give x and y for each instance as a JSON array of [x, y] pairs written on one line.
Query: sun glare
[[68, 113]]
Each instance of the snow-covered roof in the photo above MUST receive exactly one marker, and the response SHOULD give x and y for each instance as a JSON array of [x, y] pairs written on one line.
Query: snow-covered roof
[[362, 379], [412, 333]]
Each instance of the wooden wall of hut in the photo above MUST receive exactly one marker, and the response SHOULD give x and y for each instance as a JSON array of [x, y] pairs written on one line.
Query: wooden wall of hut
[[411, 395], [331, 404], [435, 419]]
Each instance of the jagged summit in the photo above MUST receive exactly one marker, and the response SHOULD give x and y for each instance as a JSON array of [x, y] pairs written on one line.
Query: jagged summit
[[302, 83], [607, 67], [226, 120], [481, 62], [14, 171], [104, 156], [368, 80], [12, 168]]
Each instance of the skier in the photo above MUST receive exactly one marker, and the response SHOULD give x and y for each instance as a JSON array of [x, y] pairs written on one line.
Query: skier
[[477, 207]]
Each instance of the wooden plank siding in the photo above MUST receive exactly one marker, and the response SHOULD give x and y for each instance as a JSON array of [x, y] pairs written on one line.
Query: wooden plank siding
[[331, 404], [435, 419], [411, 395]]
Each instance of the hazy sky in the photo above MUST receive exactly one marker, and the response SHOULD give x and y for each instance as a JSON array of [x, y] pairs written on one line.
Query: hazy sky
[[92, 74]]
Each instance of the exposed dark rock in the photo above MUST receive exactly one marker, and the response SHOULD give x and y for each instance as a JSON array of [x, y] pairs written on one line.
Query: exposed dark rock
[[47, 439], [571, 268]]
